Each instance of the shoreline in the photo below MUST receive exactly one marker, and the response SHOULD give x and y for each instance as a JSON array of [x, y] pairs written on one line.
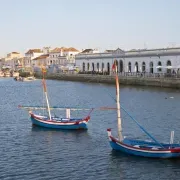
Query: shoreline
[[173, 83]]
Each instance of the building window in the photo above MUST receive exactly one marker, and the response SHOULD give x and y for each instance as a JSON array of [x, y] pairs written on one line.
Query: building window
[[102, 67], [143, 67], [168, 66], [83, 66], [159, 66], [136, 67], [120, 66], [92, 66], [151, 67], [98, 67], [129, 67], [108, 68]]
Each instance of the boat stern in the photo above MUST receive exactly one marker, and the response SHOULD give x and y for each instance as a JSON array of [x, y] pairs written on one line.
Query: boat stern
[[109, 133]]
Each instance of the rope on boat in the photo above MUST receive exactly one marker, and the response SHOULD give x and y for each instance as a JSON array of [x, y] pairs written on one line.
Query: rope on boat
[[142, 127], [145, 131], [90, 111]]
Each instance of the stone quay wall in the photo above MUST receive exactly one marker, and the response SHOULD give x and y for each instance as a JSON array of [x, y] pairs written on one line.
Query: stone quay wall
[[110, 79]]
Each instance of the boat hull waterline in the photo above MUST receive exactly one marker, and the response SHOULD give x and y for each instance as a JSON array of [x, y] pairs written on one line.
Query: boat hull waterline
[[144, 148], [59, 123]]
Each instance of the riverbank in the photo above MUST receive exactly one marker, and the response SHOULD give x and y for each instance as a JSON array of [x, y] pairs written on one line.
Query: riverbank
[[125, 80]]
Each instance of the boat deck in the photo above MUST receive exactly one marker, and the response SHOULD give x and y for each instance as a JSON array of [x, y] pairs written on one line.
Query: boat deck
[[58, 119], [149, 144]]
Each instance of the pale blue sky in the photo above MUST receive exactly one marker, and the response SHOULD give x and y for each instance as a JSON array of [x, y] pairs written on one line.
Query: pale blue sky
[[103, 24]]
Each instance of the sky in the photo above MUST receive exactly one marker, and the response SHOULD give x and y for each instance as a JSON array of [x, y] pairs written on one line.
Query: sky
[[102, 24]]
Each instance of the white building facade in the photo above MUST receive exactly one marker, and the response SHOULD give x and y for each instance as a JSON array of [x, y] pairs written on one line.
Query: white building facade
[[11, 60], [137, 61], [30, 55], [62, 56], [40, 61]]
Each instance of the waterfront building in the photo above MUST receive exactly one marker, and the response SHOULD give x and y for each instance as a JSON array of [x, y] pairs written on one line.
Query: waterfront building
[[19, 63], [30, 59], [2, 61], [89, 51], [55, 58], [11, 60], [70, 53], [62, 56], [30, 55], [164, 60], [40, 61]]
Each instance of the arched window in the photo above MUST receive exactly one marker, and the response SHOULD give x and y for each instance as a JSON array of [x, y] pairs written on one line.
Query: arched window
[[168, 66], [159, 66], [98, 67], [102, 67], [143, 67], [92, 66], [129, 67], [88, 66], [108, 68], [151, 67], [120, 66], [83, 66], [136, 67]]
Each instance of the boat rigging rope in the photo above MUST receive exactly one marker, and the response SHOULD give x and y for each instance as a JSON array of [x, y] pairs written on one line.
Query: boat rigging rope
[[90, 112], [134, 120]]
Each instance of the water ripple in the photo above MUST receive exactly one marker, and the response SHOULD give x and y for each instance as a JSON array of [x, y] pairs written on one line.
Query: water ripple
[[30, 152]]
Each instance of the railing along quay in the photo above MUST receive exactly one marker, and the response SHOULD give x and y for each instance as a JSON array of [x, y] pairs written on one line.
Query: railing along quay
[[134, 74], [142, 79]]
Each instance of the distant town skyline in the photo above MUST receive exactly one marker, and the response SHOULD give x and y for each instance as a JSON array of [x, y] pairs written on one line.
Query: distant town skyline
[[102, 24]]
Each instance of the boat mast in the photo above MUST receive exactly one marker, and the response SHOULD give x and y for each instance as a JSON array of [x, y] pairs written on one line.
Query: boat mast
[[118, 104], [45, 91]]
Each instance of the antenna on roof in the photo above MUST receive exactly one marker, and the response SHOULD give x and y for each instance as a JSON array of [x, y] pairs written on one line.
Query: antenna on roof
[[172, 44], [145, 45]]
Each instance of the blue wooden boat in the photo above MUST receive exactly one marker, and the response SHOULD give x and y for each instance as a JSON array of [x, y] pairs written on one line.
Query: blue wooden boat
[[142, 148], [59, 123], [56, 122]]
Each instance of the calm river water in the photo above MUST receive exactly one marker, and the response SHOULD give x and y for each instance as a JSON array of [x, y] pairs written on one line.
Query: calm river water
[[29, 152]]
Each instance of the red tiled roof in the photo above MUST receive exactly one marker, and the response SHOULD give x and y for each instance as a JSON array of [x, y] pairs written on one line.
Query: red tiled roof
[[34, 51], [41, 57], [56, 50], [15, 53], [71, 49]]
